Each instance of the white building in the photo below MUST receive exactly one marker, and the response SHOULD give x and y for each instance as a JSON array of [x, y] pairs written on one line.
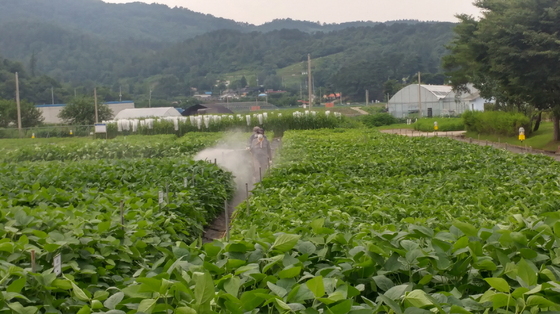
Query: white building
[[154, 112], [50, 112], [434, 100]]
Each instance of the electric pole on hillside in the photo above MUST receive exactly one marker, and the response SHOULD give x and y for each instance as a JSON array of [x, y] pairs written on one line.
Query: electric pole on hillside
[[419, 95], [120, 93], [52, 95], [95, 102], [309, 83], [367, 97], [18, 105]]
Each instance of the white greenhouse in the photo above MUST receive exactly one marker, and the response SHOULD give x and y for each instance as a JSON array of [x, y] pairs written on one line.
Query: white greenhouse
[[157, 112], [434, 101]]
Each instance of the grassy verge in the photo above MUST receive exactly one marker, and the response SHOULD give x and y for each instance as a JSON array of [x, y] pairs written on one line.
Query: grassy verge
[[396, 126], [542, 139]]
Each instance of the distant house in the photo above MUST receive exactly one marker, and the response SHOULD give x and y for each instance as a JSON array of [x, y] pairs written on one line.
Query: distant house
[[206, 109], [51, 112]]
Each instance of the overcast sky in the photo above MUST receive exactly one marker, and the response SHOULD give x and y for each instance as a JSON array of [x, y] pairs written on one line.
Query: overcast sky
[[328, 11]]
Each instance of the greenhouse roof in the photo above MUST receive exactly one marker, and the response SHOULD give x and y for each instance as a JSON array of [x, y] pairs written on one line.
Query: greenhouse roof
[[147, 113], [440, 91]]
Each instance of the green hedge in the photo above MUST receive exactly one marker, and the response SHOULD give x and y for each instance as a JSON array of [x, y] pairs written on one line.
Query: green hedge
[[444, 124], [496, 122], [378, 119]]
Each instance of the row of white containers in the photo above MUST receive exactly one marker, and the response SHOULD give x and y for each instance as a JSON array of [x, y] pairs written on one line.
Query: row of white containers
[[199, 121]]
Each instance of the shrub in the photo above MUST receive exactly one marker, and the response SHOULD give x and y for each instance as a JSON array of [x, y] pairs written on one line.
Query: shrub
[[496, 122], [378, 119]]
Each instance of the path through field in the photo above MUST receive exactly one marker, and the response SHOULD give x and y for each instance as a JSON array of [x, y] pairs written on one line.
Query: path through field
[[239, 163], [459, 136]]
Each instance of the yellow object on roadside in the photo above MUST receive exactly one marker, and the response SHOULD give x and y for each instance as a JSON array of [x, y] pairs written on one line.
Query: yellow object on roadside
[[521, 137]]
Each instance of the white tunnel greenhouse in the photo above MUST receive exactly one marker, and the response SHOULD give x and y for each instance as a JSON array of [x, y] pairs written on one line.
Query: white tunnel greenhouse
[[157, 112], [434, 101]]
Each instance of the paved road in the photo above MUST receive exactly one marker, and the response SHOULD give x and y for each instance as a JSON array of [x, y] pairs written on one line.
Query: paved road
[[459, 136]]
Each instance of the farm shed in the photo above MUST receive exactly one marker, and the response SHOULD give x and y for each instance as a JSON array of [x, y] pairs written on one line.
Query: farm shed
[[51, 112], [434, 100], [157, 112], [204, 109]]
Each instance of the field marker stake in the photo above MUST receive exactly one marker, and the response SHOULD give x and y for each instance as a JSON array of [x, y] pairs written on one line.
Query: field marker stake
[[227, 219], [32, 261], [122, 215], [247, 199]]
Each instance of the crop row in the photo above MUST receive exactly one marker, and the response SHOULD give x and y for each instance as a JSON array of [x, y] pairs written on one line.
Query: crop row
[[123, 147], [273, 121], [110, 221]]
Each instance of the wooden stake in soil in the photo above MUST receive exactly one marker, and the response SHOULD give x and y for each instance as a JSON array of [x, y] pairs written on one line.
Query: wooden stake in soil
[[32, 261], [247, 199], [260, 174], [122, 215], [227, 219]]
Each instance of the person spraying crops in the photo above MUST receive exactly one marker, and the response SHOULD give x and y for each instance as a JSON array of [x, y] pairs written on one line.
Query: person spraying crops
[[262, 154]]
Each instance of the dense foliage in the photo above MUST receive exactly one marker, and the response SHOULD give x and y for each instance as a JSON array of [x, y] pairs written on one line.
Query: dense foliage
[[159, 146], [496, 122], [378, 119], [349, 221], [511, 54]]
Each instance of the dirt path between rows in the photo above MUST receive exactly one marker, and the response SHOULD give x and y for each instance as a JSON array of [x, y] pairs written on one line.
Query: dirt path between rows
[[358, 109], [217, 229], [459, 136]]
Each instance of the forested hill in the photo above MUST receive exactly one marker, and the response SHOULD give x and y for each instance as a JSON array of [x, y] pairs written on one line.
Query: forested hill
[[139, 21]]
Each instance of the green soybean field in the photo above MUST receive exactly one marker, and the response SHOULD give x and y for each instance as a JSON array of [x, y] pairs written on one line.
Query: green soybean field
[[347, 221]]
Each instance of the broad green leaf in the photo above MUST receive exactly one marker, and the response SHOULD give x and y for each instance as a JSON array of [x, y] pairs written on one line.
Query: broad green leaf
[[62, 284], [383, 282], [147, 306], [19, 309], [79, 293], [341, 308], [185, 310], [17, 285], [397, 292], [103, 226], [279, 291], [290, 272], [317, 286], [526, 273], [418, 298], [317, 224], [501, 300], [499, 284], [231, 286], [84, 310], [392, 304], [285, 242], [113, 300], [467, 229], [540, 302], [458, 310], [204, 288]]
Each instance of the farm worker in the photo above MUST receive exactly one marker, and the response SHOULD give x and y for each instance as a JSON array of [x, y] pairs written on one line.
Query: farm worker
[[521, 134], [262, 154], [253, 136]]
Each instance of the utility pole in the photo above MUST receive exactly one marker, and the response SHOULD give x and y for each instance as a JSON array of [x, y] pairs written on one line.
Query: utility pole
[[95, 102], [367, 97], [120, 94], [309, 84], [18, 105], [52, 95], [150, 99], [419, 95]]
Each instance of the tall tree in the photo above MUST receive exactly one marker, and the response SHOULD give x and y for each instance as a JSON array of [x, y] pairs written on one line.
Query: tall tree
[[81, 111], [512, 52], [30, 115]]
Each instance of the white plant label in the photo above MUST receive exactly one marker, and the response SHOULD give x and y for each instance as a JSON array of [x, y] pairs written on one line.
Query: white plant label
[[57, 264]]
